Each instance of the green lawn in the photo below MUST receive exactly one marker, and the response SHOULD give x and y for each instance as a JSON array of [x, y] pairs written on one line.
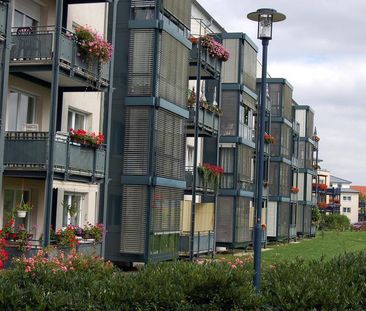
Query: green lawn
[[328, 245]]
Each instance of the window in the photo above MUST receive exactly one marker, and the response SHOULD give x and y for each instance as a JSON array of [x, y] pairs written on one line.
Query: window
[[21, 110], [190, 153], [245, 123], [72, 210], [346, 209], [23, 20], [12, 197], [76, 120]]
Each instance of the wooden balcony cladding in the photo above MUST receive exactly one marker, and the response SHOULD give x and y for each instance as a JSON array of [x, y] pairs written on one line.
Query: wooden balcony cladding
[[27, 151], [33, 50]]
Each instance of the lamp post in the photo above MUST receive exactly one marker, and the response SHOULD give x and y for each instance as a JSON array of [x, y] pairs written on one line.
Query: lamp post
[[265, 19]]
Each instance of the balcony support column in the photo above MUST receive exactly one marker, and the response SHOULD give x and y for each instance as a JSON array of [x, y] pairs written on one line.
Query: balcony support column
[[52, 124], [108, 120], [4, 88]]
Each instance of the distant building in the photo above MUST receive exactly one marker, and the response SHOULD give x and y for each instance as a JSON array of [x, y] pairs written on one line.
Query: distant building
[[349, 198]]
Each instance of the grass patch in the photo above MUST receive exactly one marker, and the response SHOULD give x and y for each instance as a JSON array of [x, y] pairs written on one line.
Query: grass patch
[[327, 244]]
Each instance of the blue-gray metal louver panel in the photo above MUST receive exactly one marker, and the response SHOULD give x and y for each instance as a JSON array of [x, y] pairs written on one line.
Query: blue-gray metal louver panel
[[242, 232], [141, 62], [229, 119], [137, 141], [133, 222], [180, 9], [173, 70], [166, 210], [170, 145], [225, 217]]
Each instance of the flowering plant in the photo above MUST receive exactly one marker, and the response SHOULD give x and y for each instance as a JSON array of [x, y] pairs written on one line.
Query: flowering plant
[[86, 138], [3, 253], [321, 187], [214, 48], [93, 232], [269, 139], [295, 190], [211, 174], [92, 46], [67, 237]]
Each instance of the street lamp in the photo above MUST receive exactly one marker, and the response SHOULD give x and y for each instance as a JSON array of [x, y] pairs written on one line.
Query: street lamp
[[265, 19]]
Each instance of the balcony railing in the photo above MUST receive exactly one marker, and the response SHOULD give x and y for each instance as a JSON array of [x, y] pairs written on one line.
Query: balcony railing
[[28, 151], [200, 183], [292, 231], [34, 45], [3, 13], [293, 197], [207, 120], [211, 64]]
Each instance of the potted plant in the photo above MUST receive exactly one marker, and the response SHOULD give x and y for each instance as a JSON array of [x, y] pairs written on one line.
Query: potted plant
[[269, 139], [22, 209]]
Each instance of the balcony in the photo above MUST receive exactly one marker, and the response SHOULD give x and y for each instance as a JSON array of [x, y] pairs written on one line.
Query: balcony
[[26, 153], [32, 53], [208, 122], [211, 65], [200, 184], [3, 13]]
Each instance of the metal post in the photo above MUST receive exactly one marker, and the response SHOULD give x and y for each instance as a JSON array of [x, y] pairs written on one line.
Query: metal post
[[260, 169], [52, 124], [195, 154], [108, 119], [4, 87]]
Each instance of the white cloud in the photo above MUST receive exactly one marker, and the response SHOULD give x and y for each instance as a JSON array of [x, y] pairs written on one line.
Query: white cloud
[[320, 50]]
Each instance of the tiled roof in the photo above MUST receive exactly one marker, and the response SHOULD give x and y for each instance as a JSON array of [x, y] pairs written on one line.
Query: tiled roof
[[361, 189]]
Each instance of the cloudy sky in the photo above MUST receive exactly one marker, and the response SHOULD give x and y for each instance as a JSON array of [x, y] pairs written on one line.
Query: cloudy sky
[[321, 50]]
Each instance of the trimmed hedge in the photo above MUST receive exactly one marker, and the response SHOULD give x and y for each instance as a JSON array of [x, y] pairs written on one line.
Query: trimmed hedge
[[338, 284]]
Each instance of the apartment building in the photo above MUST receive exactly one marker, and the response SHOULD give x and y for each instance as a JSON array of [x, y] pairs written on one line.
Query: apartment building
[[283, 180], [308, 167], [50, 90], [349, 198], [147, 184], [198, 208], [148, 118]]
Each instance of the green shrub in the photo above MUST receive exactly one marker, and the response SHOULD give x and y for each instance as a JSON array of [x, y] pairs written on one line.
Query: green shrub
[[338, 284], [335, 222]]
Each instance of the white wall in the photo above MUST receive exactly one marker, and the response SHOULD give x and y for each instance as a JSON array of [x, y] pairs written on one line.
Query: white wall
[[352, 204]]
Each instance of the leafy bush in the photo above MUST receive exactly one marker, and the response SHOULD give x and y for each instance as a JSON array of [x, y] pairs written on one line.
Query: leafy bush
[[335, 222], [90, 284]]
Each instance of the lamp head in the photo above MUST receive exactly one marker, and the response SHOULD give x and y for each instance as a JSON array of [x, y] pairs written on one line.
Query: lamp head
[[265, 19]]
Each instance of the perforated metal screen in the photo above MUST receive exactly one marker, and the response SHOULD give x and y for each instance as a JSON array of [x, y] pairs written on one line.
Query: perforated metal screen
[[224, 224], [173, 70], [133, 222], [181, 9], [137, 141], [140, 62], [229, 119], [166, 209], [242, 232], [170, 145]]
